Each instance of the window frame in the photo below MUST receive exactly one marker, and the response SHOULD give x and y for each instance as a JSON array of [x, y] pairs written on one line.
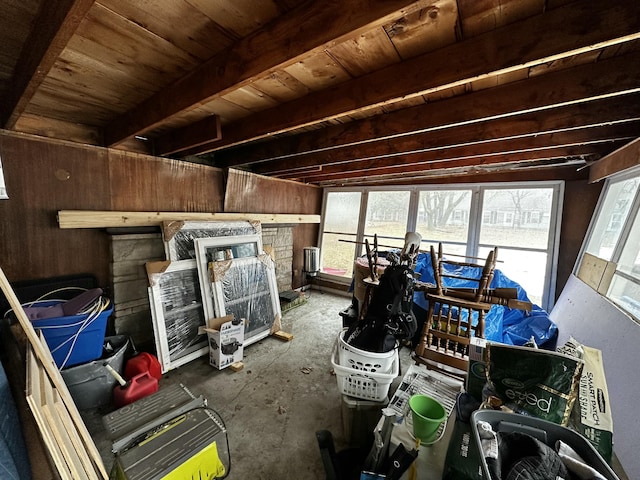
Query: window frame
[[632, 216], [474, 222]]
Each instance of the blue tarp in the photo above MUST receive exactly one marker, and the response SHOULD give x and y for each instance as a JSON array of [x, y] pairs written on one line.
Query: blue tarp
[[502, 324]]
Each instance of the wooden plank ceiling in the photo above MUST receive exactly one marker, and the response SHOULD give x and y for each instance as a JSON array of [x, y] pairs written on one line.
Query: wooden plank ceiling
[[330, 92]]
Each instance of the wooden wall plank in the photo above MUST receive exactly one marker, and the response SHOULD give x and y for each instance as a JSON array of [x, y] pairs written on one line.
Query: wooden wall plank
[[248, 192], [144, 183], [622, 159], [580, 199], [245, 193], [42, 177], [79, 219]]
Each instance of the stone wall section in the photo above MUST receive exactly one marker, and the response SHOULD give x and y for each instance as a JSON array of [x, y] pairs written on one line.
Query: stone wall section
[[132, 313], [129, 253], [280, 240]]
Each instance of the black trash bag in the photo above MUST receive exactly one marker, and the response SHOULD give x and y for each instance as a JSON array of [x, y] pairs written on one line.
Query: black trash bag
[[389, 316]]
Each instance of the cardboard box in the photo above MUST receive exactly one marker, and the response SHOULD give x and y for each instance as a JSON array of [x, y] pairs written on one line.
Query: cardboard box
[[226, 339]]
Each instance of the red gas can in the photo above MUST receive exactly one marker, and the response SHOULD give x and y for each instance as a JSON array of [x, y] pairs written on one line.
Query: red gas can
[[138, 387], [143, 362]]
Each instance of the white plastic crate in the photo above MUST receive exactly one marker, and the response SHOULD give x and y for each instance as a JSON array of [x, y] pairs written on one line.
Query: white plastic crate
[[362, 384], [372, 362]]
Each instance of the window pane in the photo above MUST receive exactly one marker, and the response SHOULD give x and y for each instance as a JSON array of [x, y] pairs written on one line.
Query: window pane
[[525, 268], [387, 214], [341, 214], [456, 251], [341, 220], [629, 262], [337, 256], [612, 217], [626, 293], [516, 217], [443, 216]]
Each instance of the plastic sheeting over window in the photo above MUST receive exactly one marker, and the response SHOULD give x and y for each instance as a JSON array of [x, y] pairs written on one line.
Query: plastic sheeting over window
[[246, 288], [177, 311], [179, 239], [502, 324]]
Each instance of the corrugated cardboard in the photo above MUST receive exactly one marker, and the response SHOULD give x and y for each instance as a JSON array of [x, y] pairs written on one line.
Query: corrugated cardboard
[[226, 339]]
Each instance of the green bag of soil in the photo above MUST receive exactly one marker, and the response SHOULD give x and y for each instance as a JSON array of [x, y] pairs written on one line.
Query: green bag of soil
[[534, 382]]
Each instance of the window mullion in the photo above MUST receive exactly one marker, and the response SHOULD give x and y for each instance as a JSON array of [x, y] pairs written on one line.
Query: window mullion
[[475, 221], [362, 217]]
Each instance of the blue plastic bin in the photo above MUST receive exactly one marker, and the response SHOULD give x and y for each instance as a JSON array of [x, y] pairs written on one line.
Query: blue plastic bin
[[79, 334]]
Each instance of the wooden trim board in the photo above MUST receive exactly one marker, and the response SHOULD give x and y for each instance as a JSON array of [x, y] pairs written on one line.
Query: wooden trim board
[[113, 219]]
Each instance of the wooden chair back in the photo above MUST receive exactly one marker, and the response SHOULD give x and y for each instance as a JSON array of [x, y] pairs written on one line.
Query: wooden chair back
[[451, 320]]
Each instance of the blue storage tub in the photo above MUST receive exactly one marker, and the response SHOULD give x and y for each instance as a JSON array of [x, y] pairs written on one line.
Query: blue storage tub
[[80, 337]]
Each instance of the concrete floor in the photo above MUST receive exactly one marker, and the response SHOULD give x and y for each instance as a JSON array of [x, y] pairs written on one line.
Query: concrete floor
[[273, 407]]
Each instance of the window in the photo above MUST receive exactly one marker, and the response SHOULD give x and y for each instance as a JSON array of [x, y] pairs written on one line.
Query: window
[[3, 188], [386, 217], [616, 201], [443, 216], [614, 236], [339, 232], [520, 219]]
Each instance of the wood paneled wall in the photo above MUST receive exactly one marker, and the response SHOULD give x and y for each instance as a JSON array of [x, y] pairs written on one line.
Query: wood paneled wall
[[580, 199], [247, 192], [43, 177]]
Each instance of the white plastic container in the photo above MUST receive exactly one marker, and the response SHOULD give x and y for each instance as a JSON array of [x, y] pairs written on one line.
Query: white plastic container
[[364, 384], [372, 362]]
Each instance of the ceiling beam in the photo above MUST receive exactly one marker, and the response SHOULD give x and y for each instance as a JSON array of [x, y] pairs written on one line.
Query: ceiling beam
[[277, 45], [608, 111], [584, 83], [472, 153], [541, 170], [622, 159], [507, 49], [53, 28], [513, 162]]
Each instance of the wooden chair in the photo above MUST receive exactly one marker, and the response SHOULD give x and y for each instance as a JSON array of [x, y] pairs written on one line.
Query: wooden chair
[[454, 315]]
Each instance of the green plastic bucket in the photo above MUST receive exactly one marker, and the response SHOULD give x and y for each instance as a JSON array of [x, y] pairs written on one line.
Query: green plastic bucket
[[427, 415]]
